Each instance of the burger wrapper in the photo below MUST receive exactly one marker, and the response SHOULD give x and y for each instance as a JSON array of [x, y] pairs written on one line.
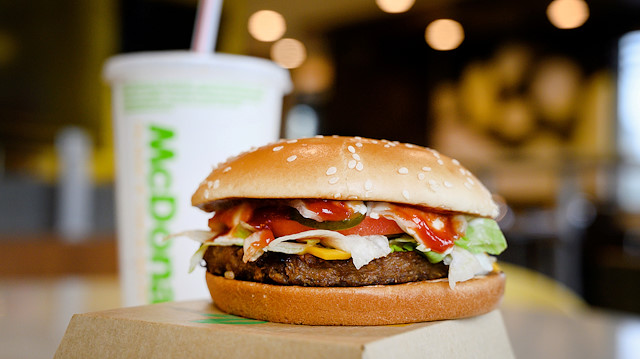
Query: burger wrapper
[[197, 329]]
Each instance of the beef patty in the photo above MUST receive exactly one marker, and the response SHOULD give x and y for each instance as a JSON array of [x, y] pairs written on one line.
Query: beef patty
[[308, 270]]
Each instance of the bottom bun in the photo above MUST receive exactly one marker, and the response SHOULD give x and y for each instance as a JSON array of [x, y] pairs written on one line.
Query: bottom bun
[[370, 305]]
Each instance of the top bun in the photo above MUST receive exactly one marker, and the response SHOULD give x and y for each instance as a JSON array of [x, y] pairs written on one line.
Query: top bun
[[347, 168]]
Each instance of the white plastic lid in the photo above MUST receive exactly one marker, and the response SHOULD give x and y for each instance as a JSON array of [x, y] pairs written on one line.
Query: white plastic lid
[[122, 68]]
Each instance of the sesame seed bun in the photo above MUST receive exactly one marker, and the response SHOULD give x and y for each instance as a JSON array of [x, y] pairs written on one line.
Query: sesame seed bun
[[369, 305], [347, 168]]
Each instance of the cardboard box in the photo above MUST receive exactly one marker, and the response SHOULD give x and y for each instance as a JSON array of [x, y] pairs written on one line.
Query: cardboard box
[[197, 329]]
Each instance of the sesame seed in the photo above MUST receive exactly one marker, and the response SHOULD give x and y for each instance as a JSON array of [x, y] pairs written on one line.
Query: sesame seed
[[334, 180], [403, 170], [421, 176], [359, 144], [468, 185], [352, 164], [462, 171], [291, 158], [469, 180], [434, 187], [358, 138], [368, 185], [405, 193], [356, 156], [440, 162], [277, 148], [331, 171], [374, 142], [318, 136], [455, 162], [359, 166], [409, 145], [387, 145], [448, 184], [292, 141], [426, 169], [216, 184], [226, 170], [351, 149]]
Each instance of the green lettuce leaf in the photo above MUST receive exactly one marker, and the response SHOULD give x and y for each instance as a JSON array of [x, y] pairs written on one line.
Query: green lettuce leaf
[[434, 257], [402, 243], [402, 247], [483, 235]]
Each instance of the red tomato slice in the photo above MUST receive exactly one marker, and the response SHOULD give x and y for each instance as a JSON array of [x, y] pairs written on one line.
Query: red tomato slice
[[283, 227], [370, 226]]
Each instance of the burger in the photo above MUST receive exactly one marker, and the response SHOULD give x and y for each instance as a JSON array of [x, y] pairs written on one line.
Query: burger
[[348, 231]]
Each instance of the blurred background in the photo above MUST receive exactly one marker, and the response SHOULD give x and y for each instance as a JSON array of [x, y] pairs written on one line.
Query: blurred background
[[539, 98]]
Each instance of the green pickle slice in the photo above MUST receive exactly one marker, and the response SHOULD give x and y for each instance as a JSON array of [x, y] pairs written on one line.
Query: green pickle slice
[[328, 225]]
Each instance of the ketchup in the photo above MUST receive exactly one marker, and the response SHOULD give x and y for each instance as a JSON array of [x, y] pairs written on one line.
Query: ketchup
[[329, 210], [230, 217], [436, 231], [263, 216], [266, 236]]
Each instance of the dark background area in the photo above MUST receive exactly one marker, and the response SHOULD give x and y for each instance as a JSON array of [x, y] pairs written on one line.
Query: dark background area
[[384, 76]]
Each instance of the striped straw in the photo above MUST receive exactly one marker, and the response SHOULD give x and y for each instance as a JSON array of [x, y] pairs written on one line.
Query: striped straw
[[205, 31]]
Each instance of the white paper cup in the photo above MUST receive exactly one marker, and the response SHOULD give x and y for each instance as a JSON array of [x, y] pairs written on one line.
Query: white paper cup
[[176, 115]]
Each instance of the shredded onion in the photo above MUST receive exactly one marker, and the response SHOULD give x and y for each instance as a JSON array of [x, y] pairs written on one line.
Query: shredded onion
[[464, 265], [197, 235], [363, 249]]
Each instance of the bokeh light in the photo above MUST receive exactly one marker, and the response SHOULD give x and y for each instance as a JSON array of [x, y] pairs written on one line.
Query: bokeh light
[[568, 14], [267, 25], [314, 76], [444, 34], [288, 53], [395, 6]]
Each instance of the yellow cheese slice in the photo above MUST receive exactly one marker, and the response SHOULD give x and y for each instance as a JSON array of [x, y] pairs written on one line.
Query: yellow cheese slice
[[327, 253]]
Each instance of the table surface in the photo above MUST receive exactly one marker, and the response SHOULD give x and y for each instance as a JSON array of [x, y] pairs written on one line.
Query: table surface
[[34, 313]]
